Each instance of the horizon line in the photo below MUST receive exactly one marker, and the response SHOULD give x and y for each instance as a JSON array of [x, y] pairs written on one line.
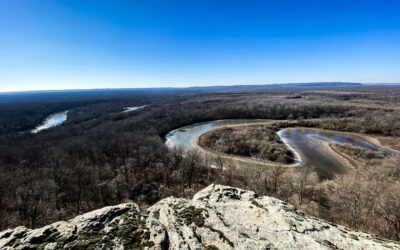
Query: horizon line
[[343, 83]]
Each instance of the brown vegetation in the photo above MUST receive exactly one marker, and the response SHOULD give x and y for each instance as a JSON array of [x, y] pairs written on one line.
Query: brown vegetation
[[366, 199], [260, 142], [102, 157]]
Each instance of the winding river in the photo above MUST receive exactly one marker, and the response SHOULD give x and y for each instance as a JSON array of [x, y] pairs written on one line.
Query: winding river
[[309, 145], [51, 121]]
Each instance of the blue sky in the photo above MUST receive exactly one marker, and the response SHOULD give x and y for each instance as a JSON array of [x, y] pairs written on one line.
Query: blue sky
[[64, 44]]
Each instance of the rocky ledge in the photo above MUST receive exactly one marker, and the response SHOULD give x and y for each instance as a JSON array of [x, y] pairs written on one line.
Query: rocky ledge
[[218, 217]]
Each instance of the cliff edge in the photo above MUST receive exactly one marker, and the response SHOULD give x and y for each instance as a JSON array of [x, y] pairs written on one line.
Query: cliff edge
[[218, 217]]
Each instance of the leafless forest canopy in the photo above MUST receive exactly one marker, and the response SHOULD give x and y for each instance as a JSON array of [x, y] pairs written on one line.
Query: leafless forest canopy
[[101, 156], [246, 141]]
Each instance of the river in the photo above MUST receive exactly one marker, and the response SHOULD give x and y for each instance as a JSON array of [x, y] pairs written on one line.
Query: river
[[129, 109], [51, 121], [308, 145], [310, 148]]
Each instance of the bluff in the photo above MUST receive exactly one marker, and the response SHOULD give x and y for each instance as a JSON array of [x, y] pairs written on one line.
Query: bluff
[[218, 217]]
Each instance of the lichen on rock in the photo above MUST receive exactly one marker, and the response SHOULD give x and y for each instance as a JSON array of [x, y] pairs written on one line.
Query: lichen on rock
[[218, 217]]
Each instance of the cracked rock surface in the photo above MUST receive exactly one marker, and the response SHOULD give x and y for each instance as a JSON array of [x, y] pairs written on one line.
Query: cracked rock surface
[[218, 217]]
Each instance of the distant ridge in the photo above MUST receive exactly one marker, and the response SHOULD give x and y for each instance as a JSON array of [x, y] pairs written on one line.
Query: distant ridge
[[214, 87], [282, 85], [206, 88]]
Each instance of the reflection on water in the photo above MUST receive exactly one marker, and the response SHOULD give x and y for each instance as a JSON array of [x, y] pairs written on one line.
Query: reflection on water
[[185, 137], [307, 144], [129, 109], [51, 121]]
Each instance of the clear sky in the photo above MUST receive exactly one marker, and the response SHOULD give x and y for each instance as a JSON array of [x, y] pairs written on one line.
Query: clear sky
[[64, 44]]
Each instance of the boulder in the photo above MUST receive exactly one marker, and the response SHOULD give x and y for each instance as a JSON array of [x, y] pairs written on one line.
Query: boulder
[[218, 217]]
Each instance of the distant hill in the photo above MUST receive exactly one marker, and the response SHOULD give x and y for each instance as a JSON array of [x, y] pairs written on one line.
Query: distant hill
[[177, 89], [280, 85]]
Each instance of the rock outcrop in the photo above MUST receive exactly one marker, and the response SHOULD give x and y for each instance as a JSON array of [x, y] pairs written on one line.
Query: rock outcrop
[[218, 217]]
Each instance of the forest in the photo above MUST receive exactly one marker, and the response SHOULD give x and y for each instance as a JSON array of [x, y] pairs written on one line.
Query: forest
[[246, 141], [102, 156]]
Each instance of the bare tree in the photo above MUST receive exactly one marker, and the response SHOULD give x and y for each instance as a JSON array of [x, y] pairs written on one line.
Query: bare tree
[[389, 209], [301, 182], [276, 174]]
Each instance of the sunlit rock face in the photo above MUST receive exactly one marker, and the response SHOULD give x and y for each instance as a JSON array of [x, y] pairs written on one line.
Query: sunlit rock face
[[218, 217]]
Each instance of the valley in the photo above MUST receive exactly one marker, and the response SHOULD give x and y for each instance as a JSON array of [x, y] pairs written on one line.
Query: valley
[[237, 142], [324, 150]]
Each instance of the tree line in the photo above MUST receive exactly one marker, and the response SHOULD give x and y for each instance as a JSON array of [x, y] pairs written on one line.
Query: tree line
[[113, 157]]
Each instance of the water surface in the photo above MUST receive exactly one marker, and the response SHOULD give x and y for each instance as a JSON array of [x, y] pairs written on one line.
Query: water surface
[[51, 121], [185, 137], [307, 144], [309, 148], [129, 109]]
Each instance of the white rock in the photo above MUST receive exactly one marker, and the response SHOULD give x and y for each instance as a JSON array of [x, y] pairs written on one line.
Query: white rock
[[218, 217]]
